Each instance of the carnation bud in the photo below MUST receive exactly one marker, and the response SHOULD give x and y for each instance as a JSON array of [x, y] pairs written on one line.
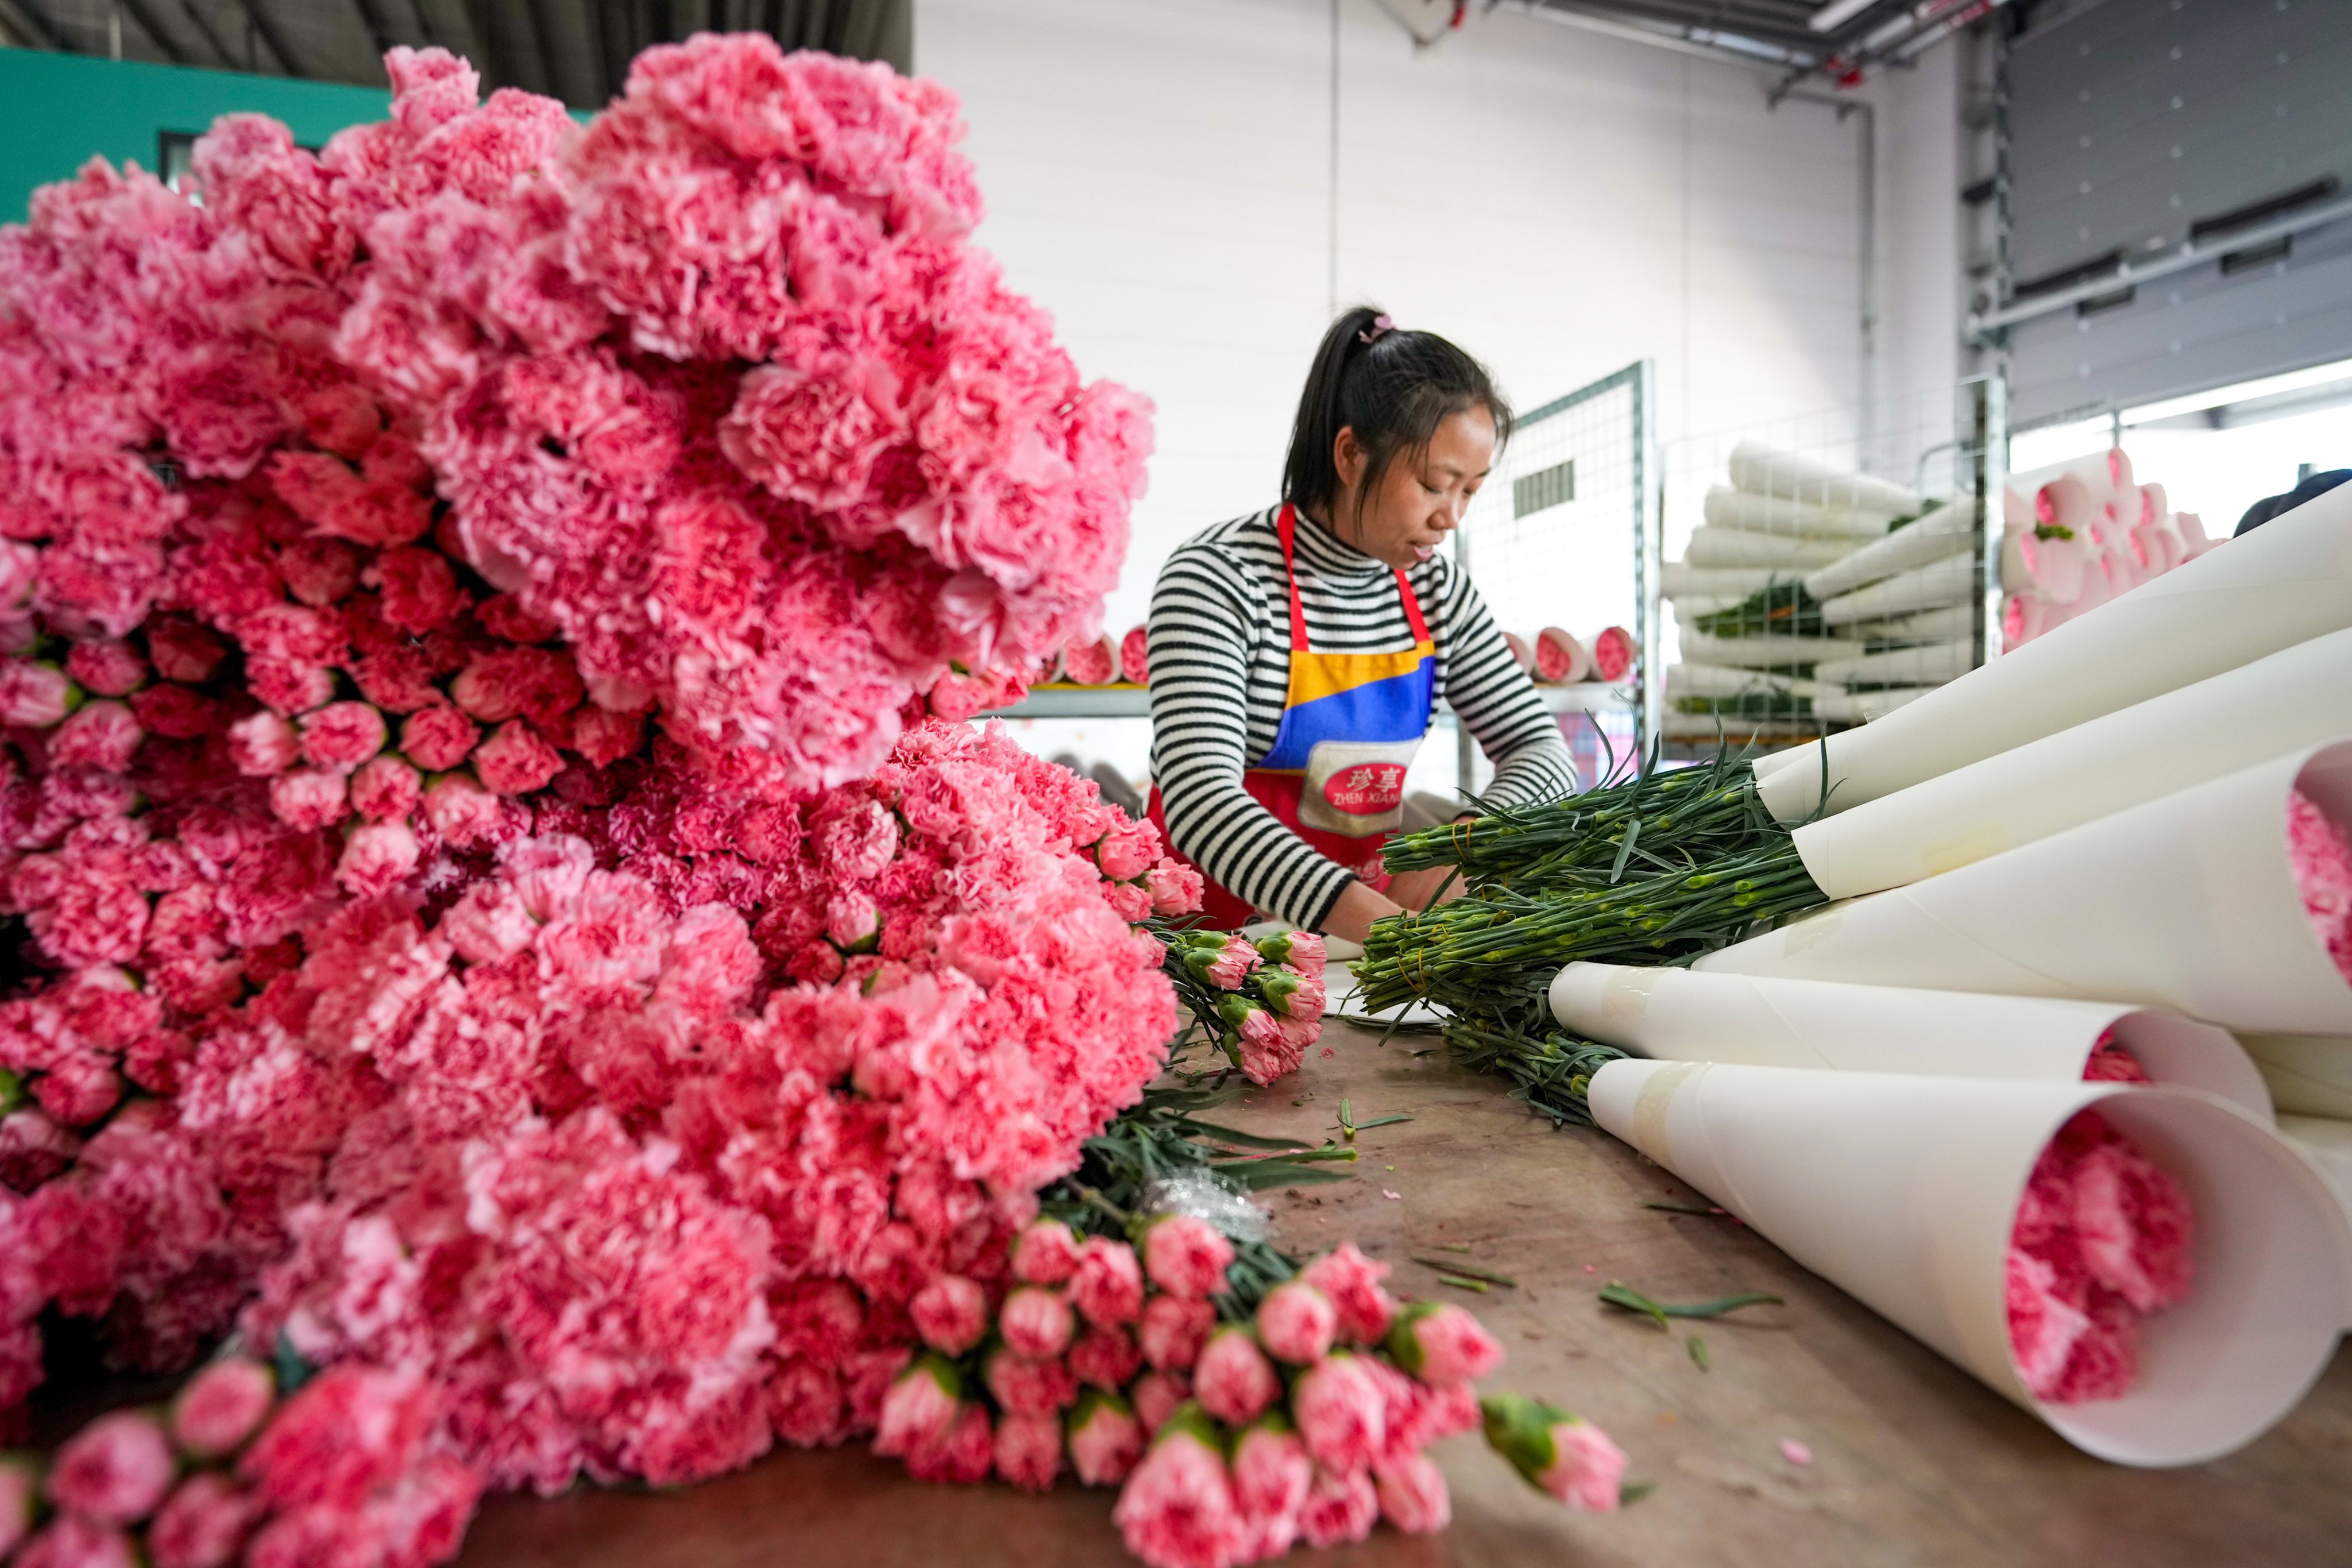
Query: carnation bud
[[35, 696], [921, 1408], [963, 1453], [1177, 1507], [1341, 1507], [1291, 993], [950, 1313], [1341, 1413], [222, 1406], [1442, 1344], [1107, 1359], [264, 745], [1045, 1253], [73, 1541], [1027, 1385], [1412, 1495], [852, 922], [310, 798], [1184, 1255], [1107, 1287], [1301, 950], [104, 734], [1157, 1396], [1561, 1453], [1271, 1476], [1224, 966], [204, 1524], [1297, 1322], [1353, 1281], [1175, 890], [1034, 1321], [1029, 1451], [116, 1470], [1105, 1439], [1232, 1380], [1174, 1329]]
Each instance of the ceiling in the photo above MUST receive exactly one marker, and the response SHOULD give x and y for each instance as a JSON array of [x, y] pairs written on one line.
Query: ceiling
[[577, 50]]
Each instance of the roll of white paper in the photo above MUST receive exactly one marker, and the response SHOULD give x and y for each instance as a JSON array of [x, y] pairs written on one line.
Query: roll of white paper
[[1902, 1190], [1925, 627], [1948, 531], [1729, 547], [1760, 471], [1689, 680], [1864, 707], [2308, 1075], [1948, 581], [1560, 659], [1734, 582], [2300, 697], [1680, 1015], [1726, 508], [2287, 582], [1766, 652], [2188, 901], [1910, 666]]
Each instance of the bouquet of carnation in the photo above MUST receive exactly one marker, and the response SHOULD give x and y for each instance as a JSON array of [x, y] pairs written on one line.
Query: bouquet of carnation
[[1261, 1003]]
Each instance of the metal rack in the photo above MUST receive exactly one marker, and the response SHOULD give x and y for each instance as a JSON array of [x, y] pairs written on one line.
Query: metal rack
[[1129, 702]]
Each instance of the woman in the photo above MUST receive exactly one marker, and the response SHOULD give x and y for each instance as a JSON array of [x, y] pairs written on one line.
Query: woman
[[1297, 654]]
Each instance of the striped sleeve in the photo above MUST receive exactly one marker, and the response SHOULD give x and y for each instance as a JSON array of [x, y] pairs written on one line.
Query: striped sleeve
[[1494, 698], [1206, 610]]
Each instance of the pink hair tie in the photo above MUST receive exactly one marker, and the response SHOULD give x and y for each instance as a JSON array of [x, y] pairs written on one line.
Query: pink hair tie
[[1380, 326]]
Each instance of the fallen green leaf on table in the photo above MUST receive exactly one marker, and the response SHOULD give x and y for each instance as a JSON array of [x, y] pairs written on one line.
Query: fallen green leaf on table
[[1488, 1275], [1461, 1284], [1453, 1246], [1379, 1122], [1698, 1347], [1618, 1294], [1348, 1121], [1710, 1210], [1631, 1492]]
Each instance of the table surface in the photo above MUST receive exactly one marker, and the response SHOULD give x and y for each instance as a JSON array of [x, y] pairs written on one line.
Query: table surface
[[1913, 1460]]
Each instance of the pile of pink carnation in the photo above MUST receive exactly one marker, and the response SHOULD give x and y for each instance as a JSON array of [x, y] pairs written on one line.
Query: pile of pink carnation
[[1303, 1421], [1262, 1002], [2103, 1238]]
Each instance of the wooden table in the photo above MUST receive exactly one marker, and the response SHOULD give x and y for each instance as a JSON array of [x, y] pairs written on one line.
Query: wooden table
[[1913, 1460]]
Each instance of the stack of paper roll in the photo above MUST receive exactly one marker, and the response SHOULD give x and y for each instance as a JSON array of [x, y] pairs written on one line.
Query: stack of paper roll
[[2111, 840], [1880, 578], [2079, 534]]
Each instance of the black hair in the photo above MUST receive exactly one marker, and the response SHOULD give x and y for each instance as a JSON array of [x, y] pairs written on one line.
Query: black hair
[[1394, 391]]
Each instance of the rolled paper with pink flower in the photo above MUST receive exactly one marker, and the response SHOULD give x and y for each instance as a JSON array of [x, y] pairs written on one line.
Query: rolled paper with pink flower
[[1615, 652], [2270, 590], [1090, 661], [2212, 901], [2294, 698], [1134, 650], [1682, 1014], [1561, 660], [1103, 1436], [1906, 1191], [1556, 1451]]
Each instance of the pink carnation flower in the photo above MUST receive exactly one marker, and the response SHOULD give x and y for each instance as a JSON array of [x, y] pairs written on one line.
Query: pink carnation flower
[[1107, 1359], [437, 738], [107, 666], [376, 858], [222, 1406], [1341, 1507], [1045, 1253], [386, 789], [1341, 1413], [310, 798], [1412, 1495], [516, 760], [1176, 888], [1225, 968], [1157, 1396], [1352, 1283], [1107, 1287], [116, 1470], [1105, 1439], [1232, 1380], [950, 1313], [1024, 1385], [1029, 1451], [921, 1409], [263, 744], [1442, 1344], [1272, 1476], [1127, 853], [962, 1455], [71, 1541], [341, 736], [102, 735], [1299, 949], [1571, 1459], [461, 810], [1297, 1322], [2110, 1062], [1185, 1256], [1034, 1321], [1177, 1510], [35, 696], [1174, 1330], [205, 1523]]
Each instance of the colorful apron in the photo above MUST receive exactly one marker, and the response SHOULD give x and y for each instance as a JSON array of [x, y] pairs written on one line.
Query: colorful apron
[[1350, 725]]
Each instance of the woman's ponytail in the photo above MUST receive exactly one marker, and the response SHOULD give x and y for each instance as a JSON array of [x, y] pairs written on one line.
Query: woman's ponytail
[[1393, 388]]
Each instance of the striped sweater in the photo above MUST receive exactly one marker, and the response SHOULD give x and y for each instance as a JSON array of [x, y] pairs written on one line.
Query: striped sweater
[[1219, 653]]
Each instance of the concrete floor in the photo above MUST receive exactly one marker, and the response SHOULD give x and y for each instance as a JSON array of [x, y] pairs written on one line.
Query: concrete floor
[[1914, 1462]]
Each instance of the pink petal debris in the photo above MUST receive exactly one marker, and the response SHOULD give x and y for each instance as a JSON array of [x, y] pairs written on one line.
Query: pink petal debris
[[1796, 1453], [1391, 1196]]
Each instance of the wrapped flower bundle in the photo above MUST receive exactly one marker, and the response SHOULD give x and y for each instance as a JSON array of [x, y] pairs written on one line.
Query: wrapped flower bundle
[[1261, 1003], [347, 1470]]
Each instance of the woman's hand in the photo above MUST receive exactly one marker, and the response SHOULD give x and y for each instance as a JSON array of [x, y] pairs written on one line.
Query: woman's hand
[[1431, 886], [1352, 918]]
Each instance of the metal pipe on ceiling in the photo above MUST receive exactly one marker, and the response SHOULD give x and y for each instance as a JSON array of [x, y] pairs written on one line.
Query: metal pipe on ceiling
[[149, 24], [1752, 54], [264, 21], [33, 28], [202, 25]]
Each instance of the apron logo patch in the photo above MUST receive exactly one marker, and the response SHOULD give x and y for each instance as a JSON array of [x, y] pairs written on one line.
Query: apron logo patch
[[1368, 789]]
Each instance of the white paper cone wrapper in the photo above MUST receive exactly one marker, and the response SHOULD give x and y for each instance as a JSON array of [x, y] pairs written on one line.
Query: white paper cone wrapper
[[1947, 531], [1950, 581], [1726, 508], [2299, 698], [1913, 666], [1729, 547], [2187, 901], [1094, 663], [1759, 471], [1952, 621], [2325, 1142], [2287, 582], [1688, 680], [2052, 568], [1680, 1015], [1863, 707], [1739, 729], [1902, 1189], [1689, 607], [2308, 1075], [1734, 582], [1569, 660], [1764, 652]]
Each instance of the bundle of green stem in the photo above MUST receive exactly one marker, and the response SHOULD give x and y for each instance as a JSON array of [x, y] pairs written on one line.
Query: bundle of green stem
[[1783, 608]]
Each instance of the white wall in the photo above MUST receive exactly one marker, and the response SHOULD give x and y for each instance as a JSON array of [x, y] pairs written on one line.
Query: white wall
[[1157, 174], [1920, 289]]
